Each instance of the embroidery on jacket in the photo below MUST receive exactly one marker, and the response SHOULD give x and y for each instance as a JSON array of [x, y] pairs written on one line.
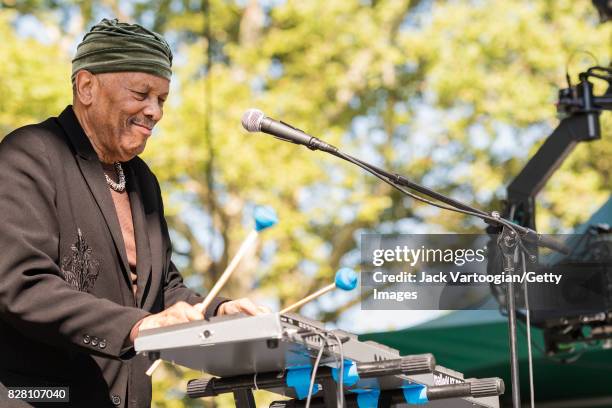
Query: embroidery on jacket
[[79, 268]]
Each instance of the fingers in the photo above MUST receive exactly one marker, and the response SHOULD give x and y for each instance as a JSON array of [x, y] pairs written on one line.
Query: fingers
[[243, 305], [247, 306], [264, 309], [180, 312], [187, 312], [183, 312]]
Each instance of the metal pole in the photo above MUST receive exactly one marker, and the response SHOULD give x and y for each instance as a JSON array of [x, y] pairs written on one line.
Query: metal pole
[[528, 323], [508, 242], [514, 366]]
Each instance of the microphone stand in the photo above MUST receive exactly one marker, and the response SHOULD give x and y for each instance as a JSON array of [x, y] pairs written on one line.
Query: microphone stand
[[510, 241], [494, 218], [572, 101]]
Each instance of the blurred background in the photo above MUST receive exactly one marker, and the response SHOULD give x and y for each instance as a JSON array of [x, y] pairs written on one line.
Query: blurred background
[[456, 95]]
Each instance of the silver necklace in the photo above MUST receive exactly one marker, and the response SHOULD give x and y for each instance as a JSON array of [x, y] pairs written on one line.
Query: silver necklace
[[120, 186]]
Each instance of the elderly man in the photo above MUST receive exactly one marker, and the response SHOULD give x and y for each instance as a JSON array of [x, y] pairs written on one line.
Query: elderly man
[[86, 257]]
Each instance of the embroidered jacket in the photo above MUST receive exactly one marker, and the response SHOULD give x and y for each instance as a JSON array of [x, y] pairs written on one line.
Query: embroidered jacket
[[66, 301]]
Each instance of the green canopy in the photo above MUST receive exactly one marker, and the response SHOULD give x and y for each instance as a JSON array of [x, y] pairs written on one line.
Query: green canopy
[[481, 350]]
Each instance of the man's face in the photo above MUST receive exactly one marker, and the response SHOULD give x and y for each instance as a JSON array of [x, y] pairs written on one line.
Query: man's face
[[125, 108]]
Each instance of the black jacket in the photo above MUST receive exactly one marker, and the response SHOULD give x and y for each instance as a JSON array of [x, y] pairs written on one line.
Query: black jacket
[[66, 304]]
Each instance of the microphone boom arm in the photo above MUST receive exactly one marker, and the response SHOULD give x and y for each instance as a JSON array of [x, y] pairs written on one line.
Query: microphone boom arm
[[398, 181]]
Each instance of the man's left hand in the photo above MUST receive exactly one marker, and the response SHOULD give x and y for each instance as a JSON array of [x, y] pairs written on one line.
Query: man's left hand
[[243, 305]]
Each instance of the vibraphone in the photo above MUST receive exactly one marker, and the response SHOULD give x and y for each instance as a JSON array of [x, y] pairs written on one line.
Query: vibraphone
[[276, 352]]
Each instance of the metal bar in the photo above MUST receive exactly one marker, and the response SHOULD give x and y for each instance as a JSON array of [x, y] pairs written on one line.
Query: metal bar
[[548, 158], [330, 392], [244, 399], [511, 309], [528, 323]]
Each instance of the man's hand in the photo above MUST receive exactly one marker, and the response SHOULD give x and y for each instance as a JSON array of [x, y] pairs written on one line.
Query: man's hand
[[183, 312], [243, 305], [180, 312]]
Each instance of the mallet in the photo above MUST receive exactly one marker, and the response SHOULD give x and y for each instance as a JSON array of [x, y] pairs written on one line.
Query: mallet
[[265, 217], [346, 279]]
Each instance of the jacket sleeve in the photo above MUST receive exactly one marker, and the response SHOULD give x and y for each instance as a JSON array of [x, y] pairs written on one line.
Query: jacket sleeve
[[34, 297], [174, 287]]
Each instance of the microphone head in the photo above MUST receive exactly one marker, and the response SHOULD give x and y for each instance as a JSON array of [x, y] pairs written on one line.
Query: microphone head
[[251, 120]]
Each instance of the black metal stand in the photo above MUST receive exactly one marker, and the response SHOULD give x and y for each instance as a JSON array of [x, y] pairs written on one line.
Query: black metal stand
[[244, 398], [581, 124], [510, 240], [573, 101], [396, 397], [509, 245], [330, 393], [242, 385]]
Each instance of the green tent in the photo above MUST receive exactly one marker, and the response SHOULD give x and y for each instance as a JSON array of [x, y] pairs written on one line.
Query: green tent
[[476, 343], [480, 349]]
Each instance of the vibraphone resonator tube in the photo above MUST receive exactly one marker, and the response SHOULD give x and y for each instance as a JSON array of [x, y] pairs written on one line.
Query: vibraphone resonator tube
[[407, 365], [476, 388]]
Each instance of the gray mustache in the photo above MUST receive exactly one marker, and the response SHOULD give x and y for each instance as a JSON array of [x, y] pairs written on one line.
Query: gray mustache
[[146, 123]]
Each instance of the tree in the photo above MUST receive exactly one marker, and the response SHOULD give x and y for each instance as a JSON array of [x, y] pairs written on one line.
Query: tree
[[29, 80], [454, 95], [368, 77]]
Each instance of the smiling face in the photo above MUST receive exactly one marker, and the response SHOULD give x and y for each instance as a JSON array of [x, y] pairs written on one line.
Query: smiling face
[[119, 110]]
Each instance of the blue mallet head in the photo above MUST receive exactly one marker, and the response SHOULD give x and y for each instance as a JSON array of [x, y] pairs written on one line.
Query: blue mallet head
[[346, 279], [265, 217]]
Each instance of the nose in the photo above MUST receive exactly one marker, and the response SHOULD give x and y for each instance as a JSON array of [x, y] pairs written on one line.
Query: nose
[[153, 111]]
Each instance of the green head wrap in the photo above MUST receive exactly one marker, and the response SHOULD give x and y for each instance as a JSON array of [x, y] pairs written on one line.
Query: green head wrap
[[111, 46]]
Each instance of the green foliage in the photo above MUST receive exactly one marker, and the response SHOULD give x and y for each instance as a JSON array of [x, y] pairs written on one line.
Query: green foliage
[[487, 71], [33, 76], [455, 95], [505, 66]]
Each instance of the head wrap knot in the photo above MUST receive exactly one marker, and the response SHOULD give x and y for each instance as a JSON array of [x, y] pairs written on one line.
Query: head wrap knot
[[112, 46]]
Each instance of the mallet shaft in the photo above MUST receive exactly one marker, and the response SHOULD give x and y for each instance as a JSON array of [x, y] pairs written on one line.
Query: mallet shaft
[[250, 240], [310, 297]]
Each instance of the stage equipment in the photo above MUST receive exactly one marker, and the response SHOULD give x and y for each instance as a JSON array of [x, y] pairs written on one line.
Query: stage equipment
[[275, 352], [585, 319], [579, 110], [510, 240], [604, 7]]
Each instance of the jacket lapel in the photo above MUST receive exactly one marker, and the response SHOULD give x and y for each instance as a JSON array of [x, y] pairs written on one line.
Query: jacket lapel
[[143, 249], [93, 174]]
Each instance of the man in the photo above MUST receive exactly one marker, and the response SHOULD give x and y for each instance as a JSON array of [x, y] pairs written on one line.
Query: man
[[86, 256]]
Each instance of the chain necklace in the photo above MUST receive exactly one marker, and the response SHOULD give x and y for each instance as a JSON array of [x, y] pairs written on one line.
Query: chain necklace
[[120, 186]]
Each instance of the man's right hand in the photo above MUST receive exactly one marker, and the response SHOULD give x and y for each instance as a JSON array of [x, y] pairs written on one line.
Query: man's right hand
[[180, 312]]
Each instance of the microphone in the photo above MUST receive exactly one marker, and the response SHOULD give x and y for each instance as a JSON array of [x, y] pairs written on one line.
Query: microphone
[[254, 120]]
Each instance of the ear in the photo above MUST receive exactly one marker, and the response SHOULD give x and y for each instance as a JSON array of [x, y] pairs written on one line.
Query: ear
[[85, 87]]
